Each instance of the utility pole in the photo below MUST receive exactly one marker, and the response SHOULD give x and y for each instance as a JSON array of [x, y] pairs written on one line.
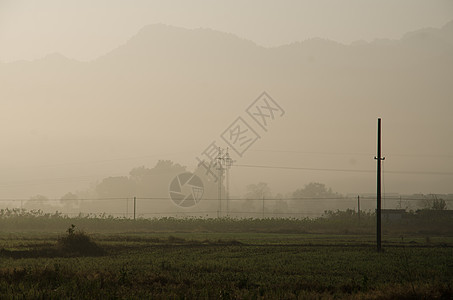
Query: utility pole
[[220, 161], [378, 186], [135, 205], [358, 207]]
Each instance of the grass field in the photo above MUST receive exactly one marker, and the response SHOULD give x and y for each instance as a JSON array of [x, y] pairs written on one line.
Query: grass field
[[44, 256], [226, 266]]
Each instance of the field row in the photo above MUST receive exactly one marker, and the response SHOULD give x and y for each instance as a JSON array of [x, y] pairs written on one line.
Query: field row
[[227, 266]]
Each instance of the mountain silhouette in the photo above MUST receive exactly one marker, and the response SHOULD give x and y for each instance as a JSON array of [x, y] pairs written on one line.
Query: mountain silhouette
[[169, 88]]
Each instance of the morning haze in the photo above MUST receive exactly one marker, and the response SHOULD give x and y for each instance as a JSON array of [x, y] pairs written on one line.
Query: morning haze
[[167, 92], [226, 149]]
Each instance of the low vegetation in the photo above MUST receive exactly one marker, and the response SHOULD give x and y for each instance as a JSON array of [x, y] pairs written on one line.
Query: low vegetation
[[424, 222], [325, 258], [77, 242], [229, 266]]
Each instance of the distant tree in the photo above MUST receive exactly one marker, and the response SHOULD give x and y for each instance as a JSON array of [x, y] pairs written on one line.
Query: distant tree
[[439, 204], [115, 187], [313, 190], [255, 192], [38, 202], [141, 182], [209, 177], [162, 166], [280, 206], [139, 173], [258, 191], [154, 182], [433, 203], [39, 199], [70, 200], [168, 164]]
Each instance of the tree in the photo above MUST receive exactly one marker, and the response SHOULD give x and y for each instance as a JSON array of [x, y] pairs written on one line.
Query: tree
[[161, 167], [70, 200], [313, 190], [280, 205], [258, 191], [253, 193], [439, 204], [115, 187], [38, 202], [154, 182], [433, 203]]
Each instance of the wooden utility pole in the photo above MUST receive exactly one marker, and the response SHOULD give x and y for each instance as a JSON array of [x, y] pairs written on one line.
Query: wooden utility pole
[[378, 186], [358, 207], [135, 205]]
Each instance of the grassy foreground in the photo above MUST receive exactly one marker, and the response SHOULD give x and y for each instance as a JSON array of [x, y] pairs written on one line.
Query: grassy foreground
[[224, 266], [325, 258]]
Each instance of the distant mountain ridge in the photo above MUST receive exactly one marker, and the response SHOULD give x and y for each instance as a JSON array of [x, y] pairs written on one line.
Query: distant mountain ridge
[[168, 89], [152, 35], [445, 33]]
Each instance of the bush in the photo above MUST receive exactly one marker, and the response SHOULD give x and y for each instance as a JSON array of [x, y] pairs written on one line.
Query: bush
[[77, 242]]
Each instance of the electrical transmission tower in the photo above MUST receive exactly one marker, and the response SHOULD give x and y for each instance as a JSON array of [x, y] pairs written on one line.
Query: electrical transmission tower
[[219, 166], [228, 163], [223, 164]]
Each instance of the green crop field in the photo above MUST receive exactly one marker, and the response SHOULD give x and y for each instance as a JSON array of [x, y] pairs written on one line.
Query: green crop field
[[215, 259], [227, 266]]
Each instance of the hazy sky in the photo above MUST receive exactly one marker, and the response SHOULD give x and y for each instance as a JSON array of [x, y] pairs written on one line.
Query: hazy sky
[[85, 29], [86, 121]]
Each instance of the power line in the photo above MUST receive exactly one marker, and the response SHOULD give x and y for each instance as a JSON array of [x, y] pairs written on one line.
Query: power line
[[446, 155], [305, 168], [52, 181], [314, 152], [345, 170], [161, 155], [339, 198]]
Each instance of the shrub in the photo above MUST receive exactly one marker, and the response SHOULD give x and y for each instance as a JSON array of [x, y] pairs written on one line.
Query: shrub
[[77, 242]]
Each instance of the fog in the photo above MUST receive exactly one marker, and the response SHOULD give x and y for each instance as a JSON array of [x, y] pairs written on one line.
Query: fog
[[167, 90]]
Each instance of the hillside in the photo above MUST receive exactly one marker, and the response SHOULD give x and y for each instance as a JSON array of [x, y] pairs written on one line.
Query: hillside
[[169, 89]]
